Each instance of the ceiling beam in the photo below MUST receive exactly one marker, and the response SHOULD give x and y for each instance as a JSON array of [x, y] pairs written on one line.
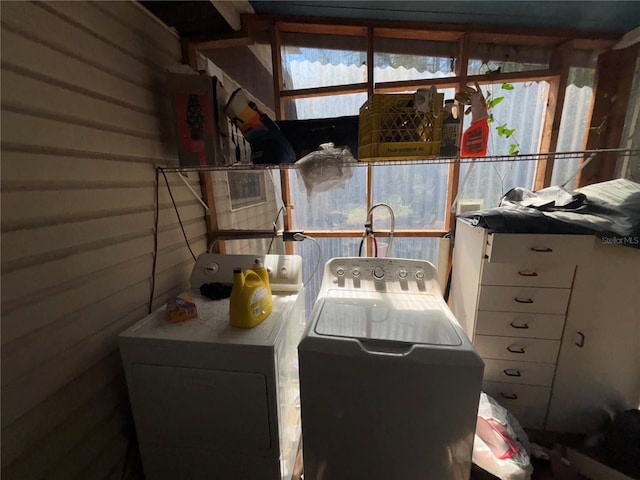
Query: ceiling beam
[[329, 25], [231, 11]]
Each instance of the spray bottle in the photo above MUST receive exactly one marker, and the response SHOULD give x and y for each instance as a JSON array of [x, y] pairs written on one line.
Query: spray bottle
[[476, 138]]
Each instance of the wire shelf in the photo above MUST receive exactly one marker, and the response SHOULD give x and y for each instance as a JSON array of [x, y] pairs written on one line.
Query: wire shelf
[[619, 152]]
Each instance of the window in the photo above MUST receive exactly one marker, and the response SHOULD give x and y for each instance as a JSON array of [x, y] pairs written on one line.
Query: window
[[246, 189], [325, 75]]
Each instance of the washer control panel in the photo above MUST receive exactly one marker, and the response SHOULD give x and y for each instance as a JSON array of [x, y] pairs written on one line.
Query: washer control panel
[[380, 274]]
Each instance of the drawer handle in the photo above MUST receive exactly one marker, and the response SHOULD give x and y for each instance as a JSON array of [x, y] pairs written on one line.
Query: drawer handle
[[513, 396], [515, 350], [523, 326], [512, 372], [580, 343], [525, 273], [541, 250], [523, 300]]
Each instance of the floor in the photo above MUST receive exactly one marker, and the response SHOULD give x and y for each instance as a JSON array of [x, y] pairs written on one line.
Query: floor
[[542, 469]]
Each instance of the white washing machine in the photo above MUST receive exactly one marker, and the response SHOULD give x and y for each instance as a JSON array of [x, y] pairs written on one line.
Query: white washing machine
[[389, 382], [215, 402]]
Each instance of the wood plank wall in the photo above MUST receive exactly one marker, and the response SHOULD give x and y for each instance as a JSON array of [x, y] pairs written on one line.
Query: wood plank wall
[[84, 122]]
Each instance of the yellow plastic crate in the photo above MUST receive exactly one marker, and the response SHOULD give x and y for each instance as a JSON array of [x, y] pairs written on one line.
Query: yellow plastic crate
[[390, 128]]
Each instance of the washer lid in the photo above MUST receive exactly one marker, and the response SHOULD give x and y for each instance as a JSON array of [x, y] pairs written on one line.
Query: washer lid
[[396, 317]]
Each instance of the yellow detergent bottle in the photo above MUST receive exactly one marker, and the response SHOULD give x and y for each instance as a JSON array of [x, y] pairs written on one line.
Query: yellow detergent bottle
[[250, 301]]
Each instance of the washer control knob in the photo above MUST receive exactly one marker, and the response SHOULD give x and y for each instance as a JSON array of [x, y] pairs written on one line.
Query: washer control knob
[[355, 272], [212, 268], [340, 271], [420, 275], [378, 273], [402, 273]]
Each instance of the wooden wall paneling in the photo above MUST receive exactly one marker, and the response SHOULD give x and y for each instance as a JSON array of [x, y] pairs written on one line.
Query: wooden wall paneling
[[45, 130], [37, 96], [42, 454], [56, 66], [84, 120], [34, 20], [28, 209], [612, 89], [55, 410], [20, 318], [109, 460], [73, 238], [560, 61], [42, 278], [145, 26], [25, 353], [100, 19], [89, 448]]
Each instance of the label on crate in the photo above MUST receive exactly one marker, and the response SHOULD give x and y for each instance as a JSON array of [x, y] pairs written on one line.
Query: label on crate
[[406, 149]]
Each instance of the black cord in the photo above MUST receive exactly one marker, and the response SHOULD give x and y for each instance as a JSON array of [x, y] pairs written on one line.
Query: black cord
[[175, 207], [155, 242], [275, 229]]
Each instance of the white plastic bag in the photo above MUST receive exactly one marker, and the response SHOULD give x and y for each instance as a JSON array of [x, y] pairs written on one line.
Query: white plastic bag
[[326, 168], [500, 446]]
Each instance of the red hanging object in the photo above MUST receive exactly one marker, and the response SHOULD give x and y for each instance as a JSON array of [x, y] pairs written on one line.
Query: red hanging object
[[475, 139]]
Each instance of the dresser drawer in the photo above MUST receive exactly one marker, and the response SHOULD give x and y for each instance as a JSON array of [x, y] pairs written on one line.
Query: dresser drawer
[[524, 299], [529, 417], [517, 349], [538, 248], [526, 373], [510, 394], [527, 275], [513, 324]]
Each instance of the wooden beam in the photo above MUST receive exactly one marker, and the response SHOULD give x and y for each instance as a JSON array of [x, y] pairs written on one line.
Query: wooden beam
[[370, 61], [560, 60], [614, 79], [276, 61], [461, 68], [404, 233], [228, 11], [278, 84], [404, 85], [412, 34], [323, 91], [332, 28], [500, 38], [524, 35], [526, 76], [240, 39]]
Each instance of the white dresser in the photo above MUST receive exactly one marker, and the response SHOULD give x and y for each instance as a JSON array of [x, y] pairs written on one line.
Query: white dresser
[[556, 319]]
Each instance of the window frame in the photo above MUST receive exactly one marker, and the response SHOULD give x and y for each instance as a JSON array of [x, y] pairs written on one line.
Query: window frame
[[556, 75]]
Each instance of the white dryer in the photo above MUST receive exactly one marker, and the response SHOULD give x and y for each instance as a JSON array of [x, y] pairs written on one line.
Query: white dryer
[[215, 402], [389, 382]]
